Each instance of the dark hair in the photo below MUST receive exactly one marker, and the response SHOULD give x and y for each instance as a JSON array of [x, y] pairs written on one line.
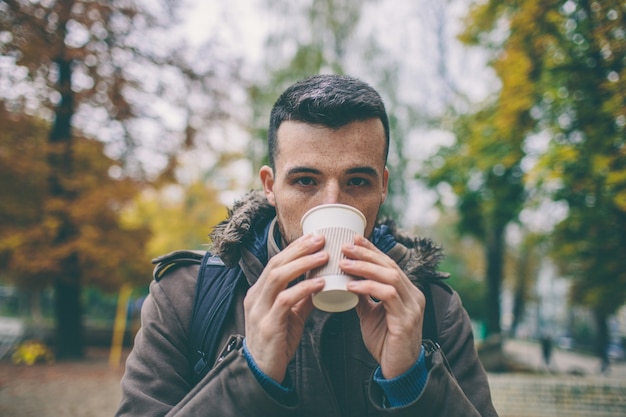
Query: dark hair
[[328, 100]]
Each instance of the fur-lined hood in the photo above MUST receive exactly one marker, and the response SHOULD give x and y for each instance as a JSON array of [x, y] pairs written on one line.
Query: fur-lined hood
[[419, 258]]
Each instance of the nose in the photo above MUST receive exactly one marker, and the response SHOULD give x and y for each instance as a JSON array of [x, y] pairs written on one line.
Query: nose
[[332, 193]]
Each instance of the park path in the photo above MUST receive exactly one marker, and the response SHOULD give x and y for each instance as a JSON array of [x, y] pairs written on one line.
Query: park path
[[90, 388], [562, 361]]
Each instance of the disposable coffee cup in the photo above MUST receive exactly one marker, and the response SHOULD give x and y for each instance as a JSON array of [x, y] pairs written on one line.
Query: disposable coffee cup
[[338, 223]]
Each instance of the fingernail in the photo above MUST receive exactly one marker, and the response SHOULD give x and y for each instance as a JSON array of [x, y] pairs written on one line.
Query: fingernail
[[317, 238]]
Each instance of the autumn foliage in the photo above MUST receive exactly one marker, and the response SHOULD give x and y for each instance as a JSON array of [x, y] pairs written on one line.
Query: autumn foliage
[[108, 253]]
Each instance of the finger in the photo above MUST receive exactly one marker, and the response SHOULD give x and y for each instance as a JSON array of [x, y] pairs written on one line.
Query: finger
[[299, 257], [402, 320], [366, 304], [384, 279], [364, 250], [387, 274], [305, 306], [365, 260], [395, 301], [390, 277], [297, 298], [281, 275], [373, 290], [270, 320], [274, 280], [304, 245]]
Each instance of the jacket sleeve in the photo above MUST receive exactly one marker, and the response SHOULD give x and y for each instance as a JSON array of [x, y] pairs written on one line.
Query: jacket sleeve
[[158, 374], [457, 383]]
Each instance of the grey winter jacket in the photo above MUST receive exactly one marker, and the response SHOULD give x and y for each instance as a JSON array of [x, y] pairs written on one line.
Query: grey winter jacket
[[332, 370]]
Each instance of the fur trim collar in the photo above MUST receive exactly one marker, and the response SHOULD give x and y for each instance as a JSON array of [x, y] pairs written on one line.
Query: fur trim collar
[[254, 211], [228, 237]]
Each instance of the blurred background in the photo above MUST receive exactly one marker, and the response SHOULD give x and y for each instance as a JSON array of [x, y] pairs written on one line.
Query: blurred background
[[127, 128]]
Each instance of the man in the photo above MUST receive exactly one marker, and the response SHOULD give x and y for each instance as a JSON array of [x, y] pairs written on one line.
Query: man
[[328, 143]]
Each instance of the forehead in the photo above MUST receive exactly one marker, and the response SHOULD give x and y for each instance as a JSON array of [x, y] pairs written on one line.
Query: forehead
[[359, 142]]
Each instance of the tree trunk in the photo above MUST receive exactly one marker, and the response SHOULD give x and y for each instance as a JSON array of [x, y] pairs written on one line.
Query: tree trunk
[[521, 288], [602, 339], [519, 305], [495, 260], [68, 312], [67, 286]]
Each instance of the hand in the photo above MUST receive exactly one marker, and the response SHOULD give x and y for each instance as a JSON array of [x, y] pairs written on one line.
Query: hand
[[392, 327], [275, 313]]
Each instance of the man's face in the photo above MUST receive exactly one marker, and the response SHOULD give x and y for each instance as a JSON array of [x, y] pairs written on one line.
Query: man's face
[[317, 165]]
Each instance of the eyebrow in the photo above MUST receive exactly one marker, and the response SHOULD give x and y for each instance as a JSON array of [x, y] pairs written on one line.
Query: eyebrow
[[302, 170], [366, 170]]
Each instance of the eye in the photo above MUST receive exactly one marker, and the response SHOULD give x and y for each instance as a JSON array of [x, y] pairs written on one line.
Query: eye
[[358, 182], [304, 181]]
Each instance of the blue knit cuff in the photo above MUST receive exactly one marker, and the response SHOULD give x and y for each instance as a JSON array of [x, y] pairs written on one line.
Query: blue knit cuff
[[283, 393], [405, 388]]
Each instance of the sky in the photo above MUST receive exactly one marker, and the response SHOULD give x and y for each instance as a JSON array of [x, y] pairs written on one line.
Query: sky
[[239, 23], [243, 25]]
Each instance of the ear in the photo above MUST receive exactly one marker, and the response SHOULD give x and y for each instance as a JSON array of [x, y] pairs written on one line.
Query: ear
[[267, 179], [385, 185]]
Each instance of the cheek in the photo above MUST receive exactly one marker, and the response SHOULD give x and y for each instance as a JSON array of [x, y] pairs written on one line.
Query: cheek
[[289, 220], [371, 214]]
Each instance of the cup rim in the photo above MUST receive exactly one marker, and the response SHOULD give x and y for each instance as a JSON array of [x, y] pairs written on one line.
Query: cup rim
[[335, 205]]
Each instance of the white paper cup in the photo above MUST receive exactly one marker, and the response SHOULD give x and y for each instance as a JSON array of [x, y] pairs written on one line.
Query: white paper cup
[[338, 223]]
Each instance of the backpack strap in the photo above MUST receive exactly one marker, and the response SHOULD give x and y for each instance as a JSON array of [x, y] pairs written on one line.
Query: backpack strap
[[173, 260], [430, 328], [215, 292]]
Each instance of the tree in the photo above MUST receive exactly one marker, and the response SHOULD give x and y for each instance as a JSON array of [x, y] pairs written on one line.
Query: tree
[[566, 60], [465, 264], [527, 264], [103, 66], [483, 169], [585, 107], [104, 251], [178, 216], [484, 166]]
